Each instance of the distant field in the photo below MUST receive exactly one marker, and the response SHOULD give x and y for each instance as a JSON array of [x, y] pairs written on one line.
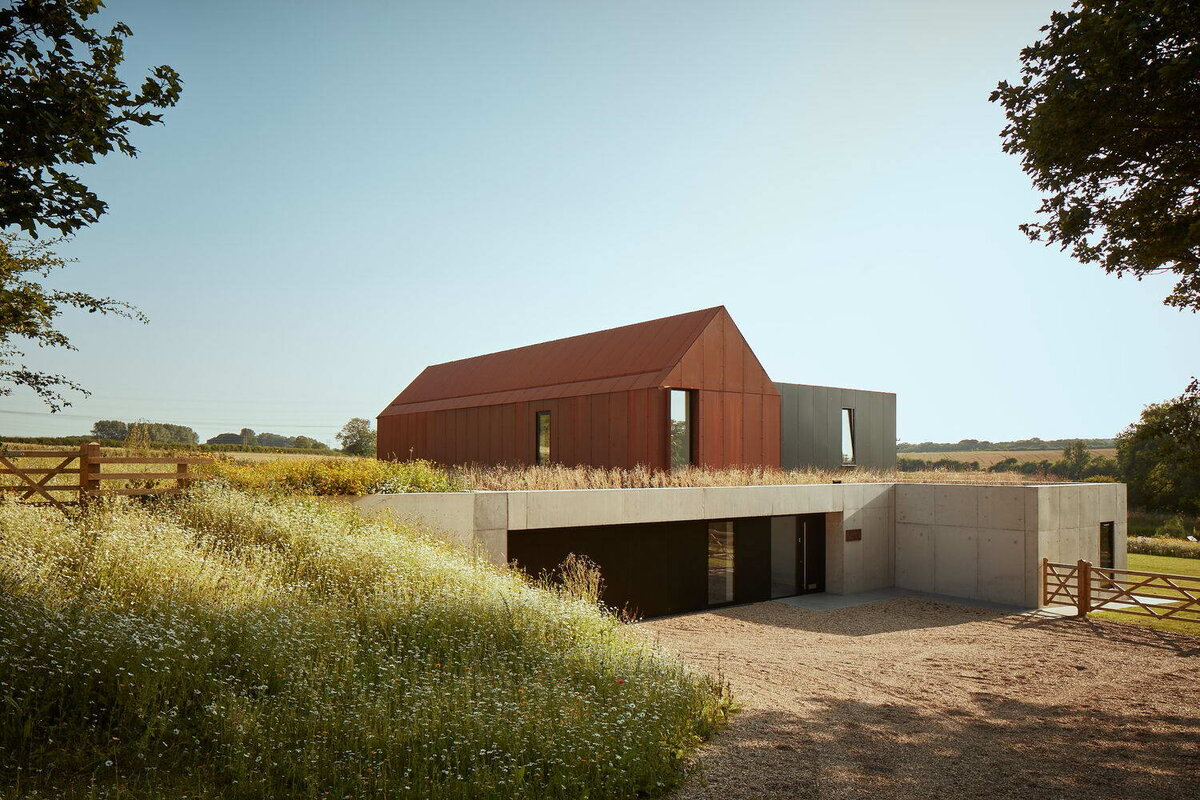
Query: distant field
[[277, 456], [988, 457]]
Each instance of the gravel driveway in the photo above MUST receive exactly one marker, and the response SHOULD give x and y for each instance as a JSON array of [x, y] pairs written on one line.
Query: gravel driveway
[[909, 698]]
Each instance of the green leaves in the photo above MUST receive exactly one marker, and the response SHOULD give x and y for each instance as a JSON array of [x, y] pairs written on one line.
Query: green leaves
[[1106, 119], [29, 311], [1160, 455], [62, 104]]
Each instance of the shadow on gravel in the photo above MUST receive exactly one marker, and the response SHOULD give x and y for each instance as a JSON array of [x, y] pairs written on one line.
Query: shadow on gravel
[[903, 614], [987, 747], [1101, 631]]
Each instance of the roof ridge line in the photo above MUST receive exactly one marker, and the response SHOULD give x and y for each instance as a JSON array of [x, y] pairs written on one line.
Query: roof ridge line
[[662, 375], [575, 336]]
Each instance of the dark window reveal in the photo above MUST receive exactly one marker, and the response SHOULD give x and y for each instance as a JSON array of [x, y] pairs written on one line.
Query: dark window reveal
[[681, 429], [543, 437], [848, 437], [1106, 544]]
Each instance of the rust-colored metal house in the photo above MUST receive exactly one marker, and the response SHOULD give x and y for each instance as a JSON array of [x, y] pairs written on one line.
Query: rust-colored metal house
[[679, 390]]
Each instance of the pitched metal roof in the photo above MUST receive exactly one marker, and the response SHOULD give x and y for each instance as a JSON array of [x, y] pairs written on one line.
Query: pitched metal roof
[[629, 357]]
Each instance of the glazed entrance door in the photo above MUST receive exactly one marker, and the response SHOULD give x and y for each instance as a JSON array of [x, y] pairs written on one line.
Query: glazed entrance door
[[810, 553]]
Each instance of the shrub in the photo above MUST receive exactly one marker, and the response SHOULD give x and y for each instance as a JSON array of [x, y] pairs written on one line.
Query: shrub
[[1156, 546], [242, 646], [333, 476]]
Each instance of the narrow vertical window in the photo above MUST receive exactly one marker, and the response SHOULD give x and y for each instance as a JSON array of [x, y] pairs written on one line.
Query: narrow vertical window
[[848, 437], [720, 563], [681, 428], [1106, 544], [543, 437]]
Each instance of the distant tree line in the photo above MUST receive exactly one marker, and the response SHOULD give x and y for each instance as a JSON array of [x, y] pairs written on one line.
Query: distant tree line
[[905, 464], [164, 433], [1076, 464], [1035, 443], [1158, 457], [144, 432], [250, 438]]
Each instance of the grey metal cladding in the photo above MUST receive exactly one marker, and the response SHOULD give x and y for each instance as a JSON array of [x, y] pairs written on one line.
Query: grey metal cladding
[[811, 426], [789, 421]]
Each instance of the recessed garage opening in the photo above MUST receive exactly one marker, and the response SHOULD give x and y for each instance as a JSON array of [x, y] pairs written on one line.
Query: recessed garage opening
[[659, 568]]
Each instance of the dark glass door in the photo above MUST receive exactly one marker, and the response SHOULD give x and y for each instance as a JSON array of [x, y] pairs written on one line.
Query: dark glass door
[[810, 553]]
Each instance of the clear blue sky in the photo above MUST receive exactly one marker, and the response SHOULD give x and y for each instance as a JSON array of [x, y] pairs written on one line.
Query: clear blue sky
[[350, 191]]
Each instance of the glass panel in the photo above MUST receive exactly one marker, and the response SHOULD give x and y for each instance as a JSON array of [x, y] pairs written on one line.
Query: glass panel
[[543, 437], [783, 556], [681, 428], [1106, 545], [848, 436], [720, 563]]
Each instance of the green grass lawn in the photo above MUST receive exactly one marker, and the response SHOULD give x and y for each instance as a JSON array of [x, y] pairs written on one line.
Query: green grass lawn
[[1170, 566]]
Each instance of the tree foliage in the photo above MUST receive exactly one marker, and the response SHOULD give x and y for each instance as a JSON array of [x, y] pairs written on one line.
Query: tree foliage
[[110, 429], [357, 437], [63, 104], [269, 440], [160, 432], [1106, 119], [29, 311], [1160, 455]]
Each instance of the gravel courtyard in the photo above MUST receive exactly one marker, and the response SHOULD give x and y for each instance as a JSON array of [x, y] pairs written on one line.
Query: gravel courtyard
[[909, 698]]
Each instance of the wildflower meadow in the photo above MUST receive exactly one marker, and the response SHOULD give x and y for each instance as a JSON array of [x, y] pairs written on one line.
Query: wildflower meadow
[[247, 645]]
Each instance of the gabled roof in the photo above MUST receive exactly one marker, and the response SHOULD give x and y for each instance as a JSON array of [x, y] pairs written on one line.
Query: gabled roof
[[630, 357]]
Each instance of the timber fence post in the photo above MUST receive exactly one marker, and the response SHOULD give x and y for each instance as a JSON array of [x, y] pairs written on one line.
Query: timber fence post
[[89, 469], [1084, 598]]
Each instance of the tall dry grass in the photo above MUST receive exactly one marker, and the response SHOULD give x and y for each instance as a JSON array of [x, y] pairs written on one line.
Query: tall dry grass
[[331, 476], [245, 646], [517, 478]]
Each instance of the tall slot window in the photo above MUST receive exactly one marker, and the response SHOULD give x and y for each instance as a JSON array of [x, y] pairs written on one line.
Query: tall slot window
[[848, 437], [543, 438], [1106, 544], [681, 428], [720, 563]]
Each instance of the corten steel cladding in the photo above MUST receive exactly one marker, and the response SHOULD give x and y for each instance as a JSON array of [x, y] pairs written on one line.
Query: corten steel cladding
[[607, 394]]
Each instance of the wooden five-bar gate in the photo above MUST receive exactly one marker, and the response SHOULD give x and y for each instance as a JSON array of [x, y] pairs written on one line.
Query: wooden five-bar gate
[[84, 475], [1122, 591]]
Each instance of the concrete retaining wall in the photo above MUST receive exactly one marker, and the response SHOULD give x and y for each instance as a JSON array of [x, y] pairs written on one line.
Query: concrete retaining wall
[[980, 542], [986, 542]]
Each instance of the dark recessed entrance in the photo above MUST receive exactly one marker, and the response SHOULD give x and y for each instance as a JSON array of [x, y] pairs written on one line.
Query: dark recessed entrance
[[661, 568], [797, 555]]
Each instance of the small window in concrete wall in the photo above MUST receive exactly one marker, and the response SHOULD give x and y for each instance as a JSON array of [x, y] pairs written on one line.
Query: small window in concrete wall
[[720, 563], [848, 436], [1106, 545], [681, 428], [543, 437]]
